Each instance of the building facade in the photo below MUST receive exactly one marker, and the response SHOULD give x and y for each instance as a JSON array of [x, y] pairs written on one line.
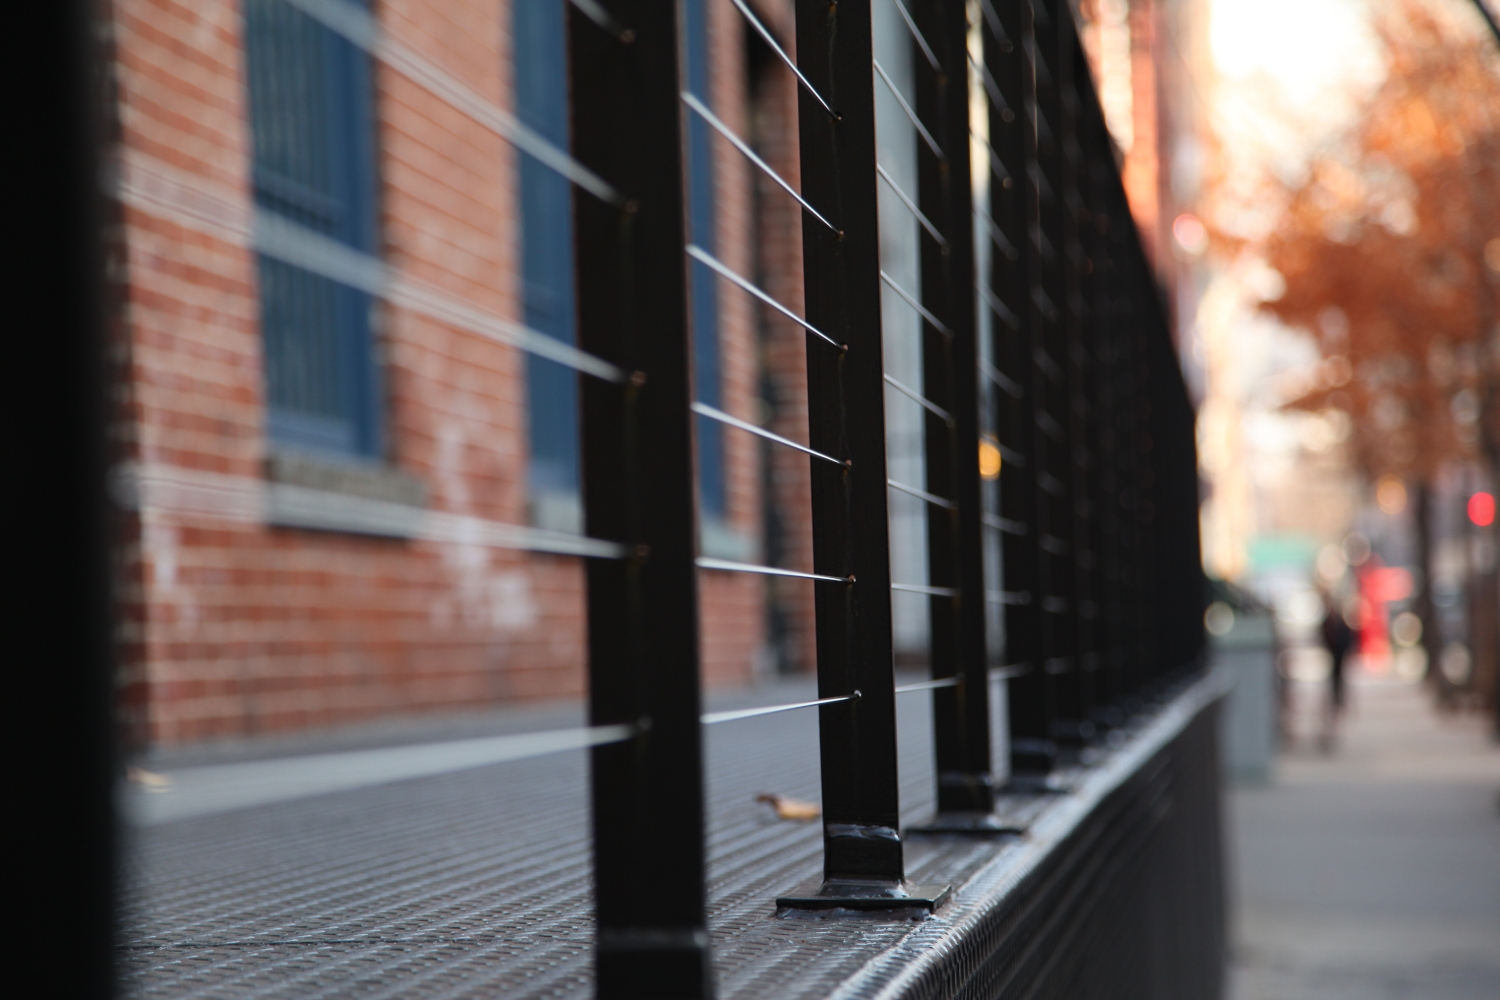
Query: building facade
[[346, 491]]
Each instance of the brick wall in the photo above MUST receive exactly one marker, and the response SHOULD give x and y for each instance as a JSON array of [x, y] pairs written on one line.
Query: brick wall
[[232, 626]]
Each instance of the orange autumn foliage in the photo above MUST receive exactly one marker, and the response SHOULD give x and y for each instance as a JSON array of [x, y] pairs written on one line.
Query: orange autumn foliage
[[1391, 254]]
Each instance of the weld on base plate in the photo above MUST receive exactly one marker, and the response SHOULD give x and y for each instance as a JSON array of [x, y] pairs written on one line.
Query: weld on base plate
[[859, 894]]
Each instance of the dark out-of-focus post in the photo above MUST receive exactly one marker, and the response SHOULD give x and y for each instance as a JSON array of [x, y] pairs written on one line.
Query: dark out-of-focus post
[[60, 826], [638, 489]]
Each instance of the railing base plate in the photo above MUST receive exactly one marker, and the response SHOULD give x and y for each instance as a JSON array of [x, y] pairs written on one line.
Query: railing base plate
[[1032, 784], [865, 895], [974, 824]]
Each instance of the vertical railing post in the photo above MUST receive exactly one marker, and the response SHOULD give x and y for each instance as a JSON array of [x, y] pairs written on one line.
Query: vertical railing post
[[1077, 686], [60, 635], [1011, 51], [1012, 227], [1104, 438], [638, 489], [863, 856], [1057, 499], [961, 722]]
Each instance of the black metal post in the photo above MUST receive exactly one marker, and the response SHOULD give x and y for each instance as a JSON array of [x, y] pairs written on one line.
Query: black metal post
[[955, 534], [1078, 686], [1056, 499], [1009, 54], [1144, 566], [639, 490], [1103, 439], [863, 858], [60, 880]]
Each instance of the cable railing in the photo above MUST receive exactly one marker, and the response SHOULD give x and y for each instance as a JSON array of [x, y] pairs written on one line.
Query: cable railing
[[1062, 391]]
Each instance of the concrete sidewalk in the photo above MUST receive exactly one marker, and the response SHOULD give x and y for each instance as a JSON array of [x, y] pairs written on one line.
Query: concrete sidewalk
[[1371, 871]]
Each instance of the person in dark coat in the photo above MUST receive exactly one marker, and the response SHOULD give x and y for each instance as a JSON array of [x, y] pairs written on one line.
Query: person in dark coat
[[1338, 639]]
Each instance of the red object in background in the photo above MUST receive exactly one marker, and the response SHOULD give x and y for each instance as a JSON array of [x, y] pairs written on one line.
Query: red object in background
[[1379, 585], [1482, 509]]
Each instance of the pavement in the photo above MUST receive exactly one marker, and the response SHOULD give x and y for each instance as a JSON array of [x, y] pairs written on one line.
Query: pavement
[[1370, 870]]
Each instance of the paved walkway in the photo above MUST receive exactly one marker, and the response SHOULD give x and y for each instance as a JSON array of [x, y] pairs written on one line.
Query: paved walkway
[[1373, 871]]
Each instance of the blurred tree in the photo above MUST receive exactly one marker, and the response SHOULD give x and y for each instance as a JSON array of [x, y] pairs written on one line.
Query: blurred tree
[[1390, 250]]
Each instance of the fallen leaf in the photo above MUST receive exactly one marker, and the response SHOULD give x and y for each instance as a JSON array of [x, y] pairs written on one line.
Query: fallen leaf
[[789, 808], [148, 780]]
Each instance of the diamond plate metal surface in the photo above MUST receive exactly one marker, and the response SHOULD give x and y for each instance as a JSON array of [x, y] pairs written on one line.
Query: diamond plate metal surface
[[477, 883]]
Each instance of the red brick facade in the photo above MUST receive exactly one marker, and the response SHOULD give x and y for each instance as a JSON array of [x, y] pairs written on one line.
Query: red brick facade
[[235, 626]]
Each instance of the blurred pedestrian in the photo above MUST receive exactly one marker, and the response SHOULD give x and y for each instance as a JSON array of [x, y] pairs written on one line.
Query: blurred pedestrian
[[1338, 638]]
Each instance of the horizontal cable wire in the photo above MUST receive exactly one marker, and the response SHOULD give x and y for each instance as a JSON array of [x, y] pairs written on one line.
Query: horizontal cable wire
[[781, 52], [713, 413], [931, 498], [941, 682], [916, 34], [997, 236], [1009, 671], [523, 746], [1019, 598], [704, 257], [309, 250], [1009, 454], [439, 306], [921, 588], [1006, 524], [990, 86], [708, 562], [993, 20], [997, 165], [734, 715], [911, 300], [1046, 364], [707, 115], [1043, 301], [360, 27], [1009, 385], [526, 538], [916, 122], [999, 308], [595, 12], [911, 206], [920, 399]]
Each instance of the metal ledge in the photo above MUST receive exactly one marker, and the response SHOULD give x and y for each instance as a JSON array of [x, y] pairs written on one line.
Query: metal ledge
[[478, 882]]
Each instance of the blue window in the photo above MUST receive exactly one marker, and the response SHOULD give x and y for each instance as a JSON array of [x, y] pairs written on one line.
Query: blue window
[[546, 209], [312, 132], [703, 285]]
